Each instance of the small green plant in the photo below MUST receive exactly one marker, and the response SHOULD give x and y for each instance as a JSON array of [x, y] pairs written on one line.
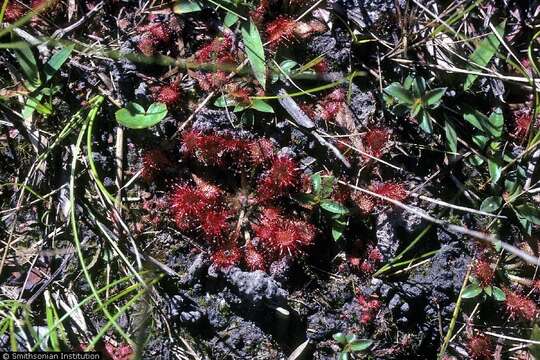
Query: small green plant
[[414, 98], [134, 116], [476, 289], [482, 282], [487, 136], [38, 80], [350, 344], [323, 187], [513, 198]]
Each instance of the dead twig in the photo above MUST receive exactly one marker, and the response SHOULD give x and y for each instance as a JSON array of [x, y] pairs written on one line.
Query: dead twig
[[305, 122]]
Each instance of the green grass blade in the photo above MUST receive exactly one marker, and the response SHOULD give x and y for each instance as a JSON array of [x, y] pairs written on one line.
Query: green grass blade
[[56, 61], [75, 230], [87, 300], [28, 64], [89, 150], [49, 315], [483, 54]]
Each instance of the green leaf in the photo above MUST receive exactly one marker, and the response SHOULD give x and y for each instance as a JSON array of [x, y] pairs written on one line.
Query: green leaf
[[491, 204], [510, 184], [337, 230], [350, 338], [316, 180], [288, 65], [340, 338], [343, 355], [526, 225], [230, 19], [33, 103], [408, 82], [432, 98], [425, 122], [27, 62], [254, 51], [187, 6], [134, 116], [400, 93], [483, 54], [480, 140], [488, 290], [492, 126], [475, 118], [498, 294], [334, 207], [528, 212], [476, 160], [360, 345], [496, 122], [416, 108], [451, 135], [262, 106], [471, 291], [50, 91], [306, 198], [241, 107], [56, 61], [224, 101], [534, 349], [418, 86], [495, 170], [495, 146]]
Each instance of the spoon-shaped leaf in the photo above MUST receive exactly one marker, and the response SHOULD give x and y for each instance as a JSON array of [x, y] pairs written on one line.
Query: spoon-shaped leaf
[[134, 116]]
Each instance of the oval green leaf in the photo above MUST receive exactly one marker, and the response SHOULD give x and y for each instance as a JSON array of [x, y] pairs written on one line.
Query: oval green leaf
[[340, 337], [316, 181], [187, 6], [262, 106], [491, 204], [224, 101], [496, 123], [471, 291], [498, 294], [432, 98], [400, 93], [334, 207], [425, 121], [528, 212], [134, 116], [495, 170], [360, 345]]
